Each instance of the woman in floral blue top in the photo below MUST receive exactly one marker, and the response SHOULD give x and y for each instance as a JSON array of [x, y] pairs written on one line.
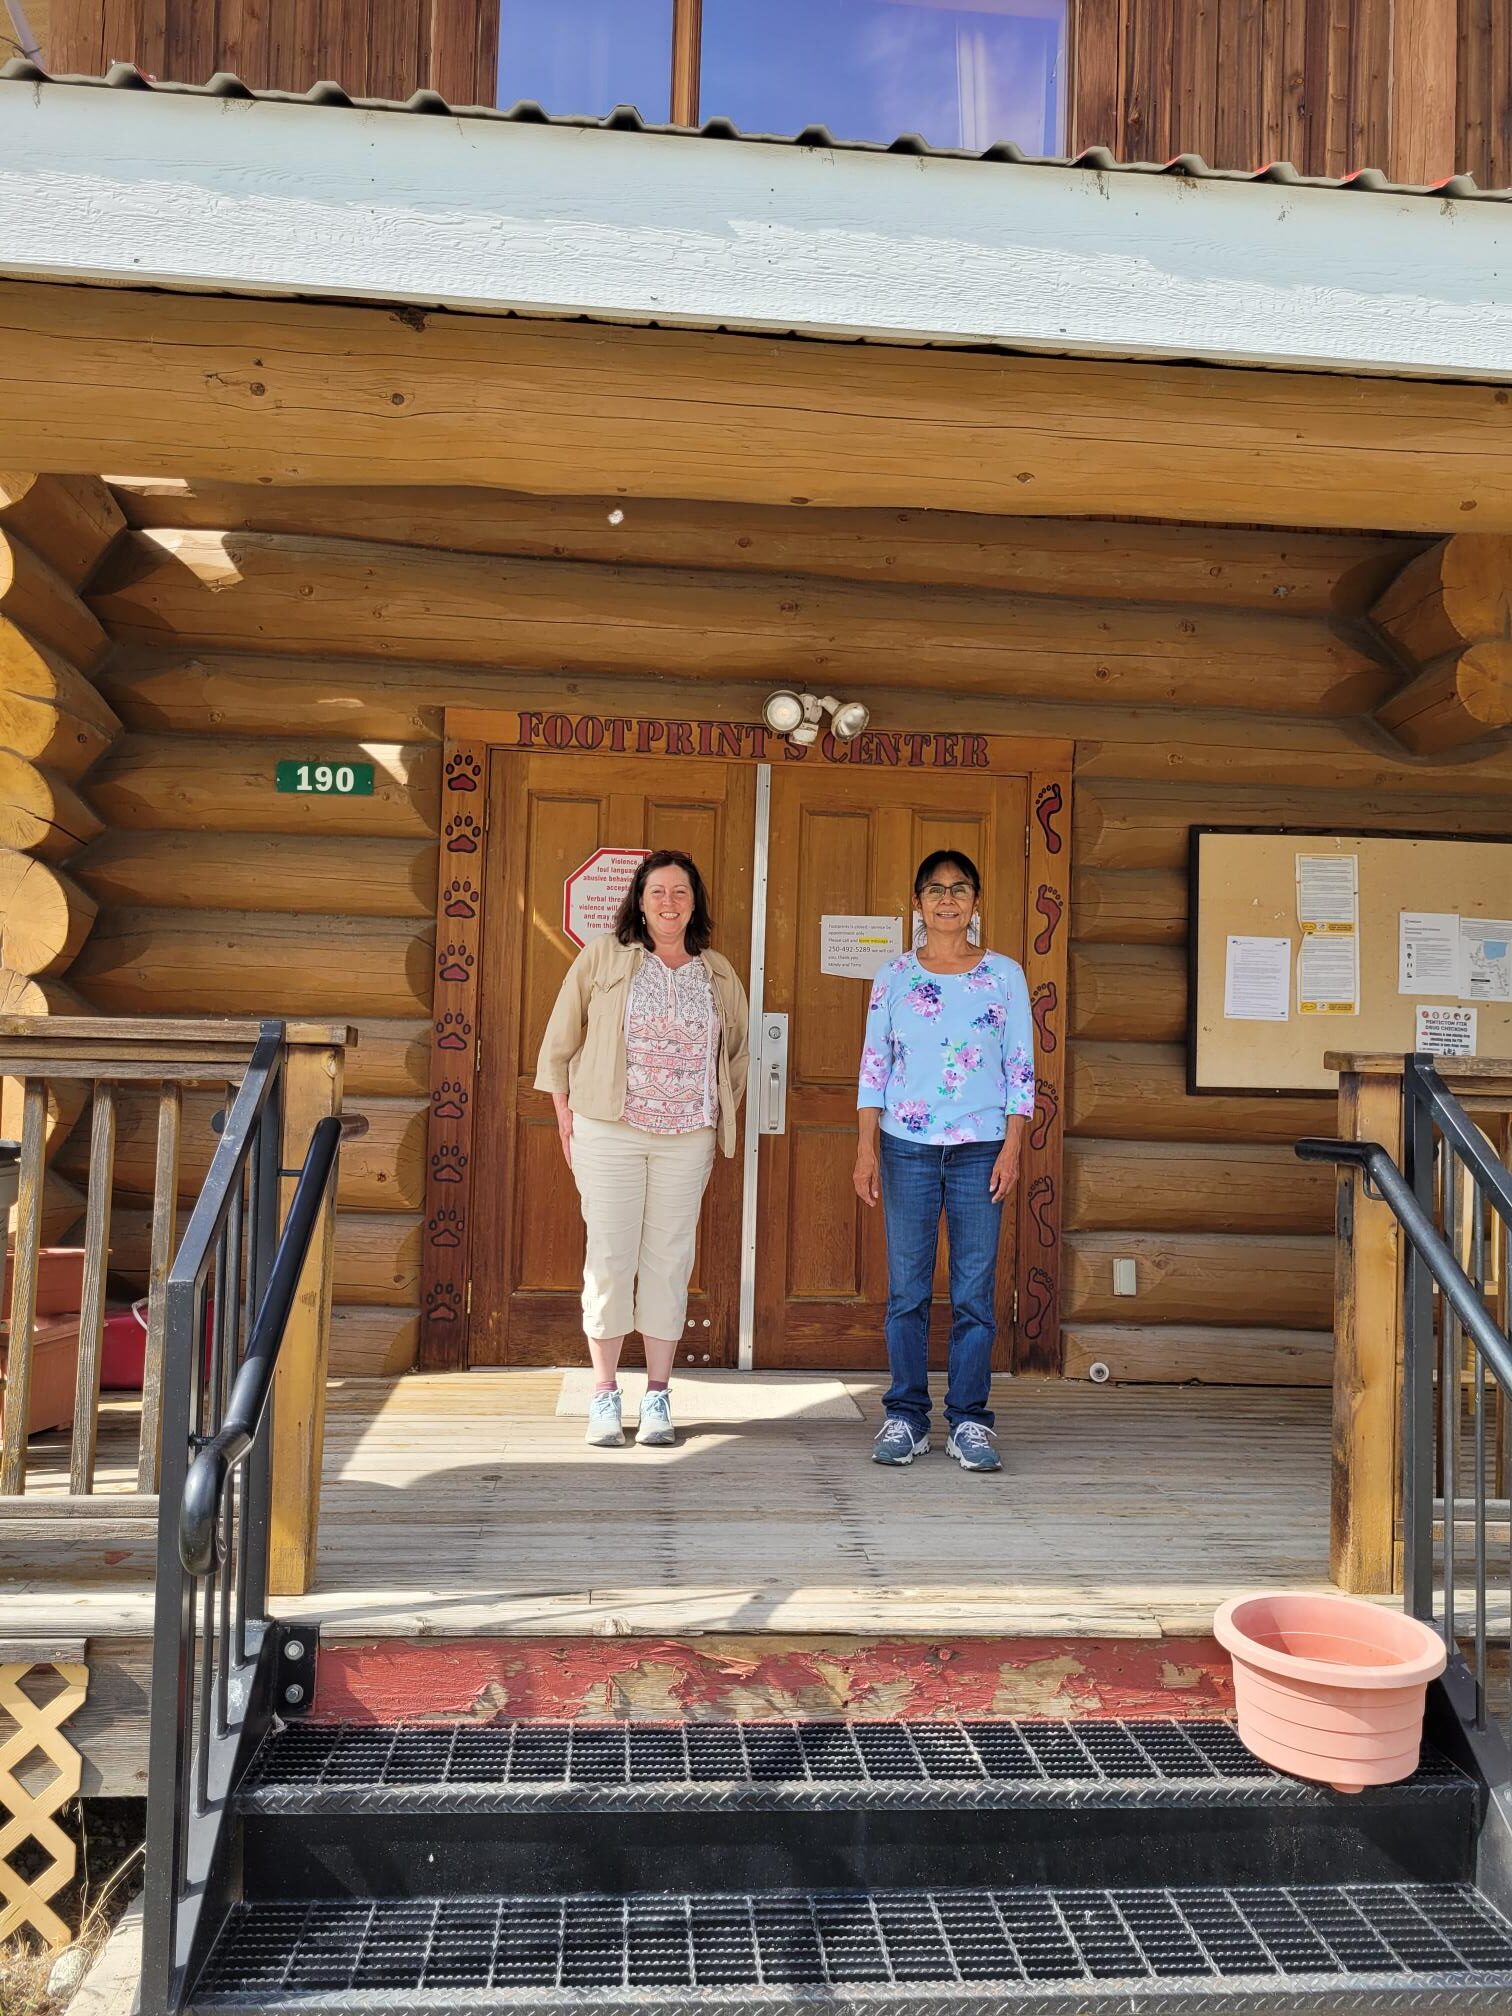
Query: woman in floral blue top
[[947, 1089]]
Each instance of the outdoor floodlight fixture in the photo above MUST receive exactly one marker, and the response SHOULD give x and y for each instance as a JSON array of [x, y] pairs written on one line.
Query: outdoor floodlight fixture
[[800, 716]]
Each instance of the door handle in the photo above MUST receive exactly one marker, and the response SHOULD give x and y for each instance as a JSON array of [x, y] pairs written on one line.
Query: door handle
[[773, 1067]]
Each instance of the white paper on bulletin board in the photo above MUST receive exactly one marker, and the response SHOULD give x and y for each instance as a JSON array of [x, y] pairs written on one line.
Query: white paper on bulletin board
[[1250, 884]]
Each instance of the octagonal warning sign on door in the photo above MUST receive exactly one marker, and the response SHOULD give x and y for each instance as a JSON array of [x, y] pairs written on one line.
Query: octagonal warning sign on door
[[592, 894]]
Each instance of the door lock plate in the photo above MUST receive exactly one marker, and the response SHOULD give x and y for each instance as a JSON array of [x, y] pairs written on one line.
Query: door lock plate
[[771, 1075]]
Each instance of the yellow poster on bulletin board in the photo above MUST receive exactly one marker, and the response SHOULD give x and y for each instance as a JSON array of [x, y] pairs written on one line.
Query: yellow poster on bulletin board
[[1301, 942]]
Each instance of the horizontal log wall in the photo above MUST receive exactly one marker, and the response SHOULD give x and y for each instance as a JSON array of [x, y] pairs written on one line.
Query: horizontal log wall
[[253, 626]]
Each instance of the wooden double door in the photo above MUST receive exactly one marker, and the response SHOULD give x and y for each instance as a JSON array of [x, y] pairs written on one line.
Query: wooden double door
[[838, 841]]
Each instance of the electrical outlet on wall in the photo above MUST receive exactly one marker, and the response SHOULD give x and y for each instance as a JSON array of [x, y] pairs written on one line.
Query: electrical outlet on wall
[[1125, 1277]]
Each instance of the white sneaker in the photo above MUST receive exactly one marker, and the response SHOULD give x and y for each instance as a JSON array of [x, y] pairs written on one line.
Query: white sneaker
[[655, 1431], [605, 1429]]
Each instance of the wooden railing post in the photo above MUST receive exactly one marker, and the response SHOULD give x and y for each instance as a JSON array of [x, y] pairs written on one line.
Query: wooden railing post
[[1364, 1553], [312, 1089], [1366, 1541]]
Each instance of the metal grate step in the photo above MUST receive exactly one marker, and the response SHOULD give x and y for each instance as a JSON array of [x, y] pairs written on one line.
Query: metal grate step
[[502, 1766], [1386, 1944]]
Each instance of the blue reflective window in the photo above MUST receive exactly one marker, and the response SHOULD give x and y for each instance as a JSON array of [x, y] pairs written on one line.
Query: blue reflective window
[[961, 73], [587, 56]]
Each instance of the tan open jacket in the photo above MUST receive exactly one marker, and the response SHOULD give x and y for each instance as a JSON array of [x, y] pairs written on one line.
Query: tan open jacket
[[583, 1050]]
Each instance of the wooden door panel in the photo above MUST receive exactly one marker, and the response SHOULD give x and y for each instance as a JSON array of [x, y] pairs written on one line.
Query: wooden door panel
[[561, 832], [547, 813], [548, 1241], [848, 842], [825, 1249]]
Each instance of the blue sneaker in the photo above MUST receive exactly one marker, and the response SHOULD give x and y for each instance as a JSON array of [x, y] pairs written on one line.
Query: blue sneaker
[[898, 1442], [971, 1445], [605, 1425], [655, 1430]]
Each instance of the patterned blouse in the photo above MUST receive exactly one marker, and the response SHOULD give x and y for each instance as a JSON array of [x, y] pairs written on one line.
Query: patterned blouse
[[949, 1056], [671, 1048]]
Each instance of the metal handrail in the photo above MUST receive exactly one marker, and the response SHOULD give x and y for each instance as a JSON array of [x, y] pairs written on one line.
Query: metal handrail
[[1422, 1080], [217, 1652], [1393, 1188], [205, 1485]]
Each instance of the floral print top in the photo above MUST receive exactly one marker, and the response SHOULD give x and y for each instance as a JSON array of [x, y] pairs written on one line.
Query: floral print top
[[671, 1048], [949, 1056]]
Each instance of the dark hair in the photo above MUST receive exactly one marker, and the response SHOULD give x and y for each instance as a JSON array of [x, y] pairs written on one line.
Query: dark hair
[[933, 862], [630, 925]]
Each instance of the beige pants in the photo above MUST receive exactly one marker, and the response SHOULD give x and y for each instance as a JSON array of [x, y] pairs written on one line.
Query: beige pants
[[641, 1195]]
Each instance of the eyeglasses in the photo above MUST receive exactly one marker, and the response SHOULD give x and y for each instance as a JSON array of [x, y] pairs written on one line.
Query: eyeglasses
[[959, 890]]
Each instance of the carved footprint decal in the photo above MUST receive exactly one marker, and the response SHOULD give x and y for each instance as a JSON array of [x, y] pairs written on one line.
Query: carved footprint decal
[[1047, 807], [1042, 1006], [1046, 1107], [1041, 1203], [1050, 907], [1041, 1296]]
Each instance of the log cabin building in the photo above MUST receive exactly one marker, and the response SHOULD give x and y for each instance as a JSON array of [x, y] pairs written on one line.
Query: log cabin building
[[496, 463]]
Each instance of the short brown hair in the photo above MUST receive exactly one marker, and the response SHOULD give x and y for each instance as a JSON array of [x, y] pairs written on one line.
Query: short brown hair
[[630, 925]]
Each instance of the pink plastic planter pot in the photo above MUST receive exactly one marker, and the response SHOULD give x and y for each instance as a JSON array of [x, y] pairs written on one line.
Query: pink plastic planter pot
[[1328, 1687]]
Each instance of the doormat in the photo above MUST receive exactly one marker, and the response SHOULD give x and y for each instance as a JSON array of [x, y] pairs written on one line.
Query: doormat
[[725, 1396]]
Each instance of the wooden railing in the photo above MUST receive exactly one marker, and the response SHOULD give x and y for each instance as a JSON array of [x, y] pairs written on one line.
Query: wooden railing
[[58, 1069], [1366, 1554]]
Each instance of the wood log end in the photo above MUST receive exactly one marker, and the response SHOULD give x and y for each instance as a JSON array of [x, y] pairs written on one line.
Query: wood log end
[[1460, 699]]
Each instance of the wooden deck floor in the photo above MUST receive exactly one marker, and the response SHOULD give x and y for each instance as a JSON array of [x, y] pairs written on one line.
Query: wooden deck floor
[[470, 1505]]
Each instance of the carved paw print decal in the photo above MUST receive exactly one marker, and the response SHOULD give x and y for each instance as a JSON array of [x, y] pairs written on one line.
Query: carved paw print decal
[[449, 1101], [463, 773], [444, 1227], [1041, 1202], [445, 1303], [463, 835], [453, 1032], [1051, 908], [1046, 1107], [448, 1163], [459, 898], [456, 964], [1040, 1298]]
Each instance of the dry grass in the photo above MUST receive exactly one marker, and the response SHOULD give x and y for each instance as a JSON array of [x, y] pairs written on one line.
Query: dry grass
[[23, 1981], [26, 1970]]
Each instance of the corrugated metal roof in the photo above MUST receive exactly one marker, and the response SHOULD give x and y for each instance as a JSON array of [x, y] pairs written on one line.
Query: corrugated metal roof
[[625, 119]]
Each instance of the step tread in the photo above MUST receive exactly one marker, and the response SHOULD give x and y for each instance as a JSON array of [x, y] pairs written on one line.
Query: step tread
[[1389, 1943], [499, 1766]]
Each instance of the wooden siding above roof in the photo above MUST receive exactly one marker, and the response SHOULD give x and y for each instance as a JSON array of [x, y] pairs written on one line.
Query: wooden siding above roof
[[1330, 85], [1418, 88]]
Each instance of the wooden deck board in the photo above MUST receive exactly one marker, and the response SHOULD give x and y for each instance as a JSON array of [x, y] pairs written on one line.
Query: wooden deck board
[[469, 1506]]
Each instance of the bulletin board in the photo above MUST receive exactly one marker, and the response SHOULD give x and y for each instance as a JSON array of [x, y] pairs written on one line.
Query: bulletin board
[[1248, 1030]]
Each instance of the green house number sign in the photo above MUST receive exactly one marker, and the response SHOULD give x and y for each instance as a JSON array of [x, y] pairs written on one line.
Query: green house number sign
[[326, 780]]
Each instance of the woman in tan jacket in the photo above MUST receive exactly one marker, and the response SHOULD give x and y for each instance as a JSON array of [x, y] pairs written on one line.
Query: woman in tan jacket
[[645, 1061]]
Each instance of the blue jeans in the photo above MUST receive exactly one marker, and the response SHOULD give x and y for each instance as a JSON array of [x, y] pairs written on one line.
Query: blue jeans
[[918, 1178]]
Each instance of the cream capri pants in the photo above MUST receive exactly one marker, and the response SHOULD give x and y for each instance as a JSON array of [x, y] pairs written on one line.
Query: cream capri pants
[[641, 1195]]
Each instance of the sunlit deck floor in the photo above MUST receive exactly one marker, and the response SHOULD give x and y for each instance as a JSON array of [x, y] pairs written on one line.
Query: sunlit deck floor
[[471, 1505]]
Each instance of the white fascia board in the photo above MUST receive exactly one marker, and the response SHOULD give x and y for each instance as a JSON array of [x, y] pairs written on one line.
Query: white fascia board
[[271, 199]]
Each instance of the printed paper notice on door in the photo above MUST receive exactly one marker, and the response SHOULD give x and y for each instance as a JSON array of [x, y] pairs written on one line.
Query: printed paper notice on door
[[1486, 959], [1328, 975], [853, 948], [1328, 892], [1428, 952], [1257, 980], [1444, 1032]]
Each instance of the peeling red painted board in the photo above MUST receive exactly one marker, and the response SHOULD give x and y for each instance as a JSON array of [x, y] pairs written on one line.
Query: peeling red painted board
[[752, 1679]]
